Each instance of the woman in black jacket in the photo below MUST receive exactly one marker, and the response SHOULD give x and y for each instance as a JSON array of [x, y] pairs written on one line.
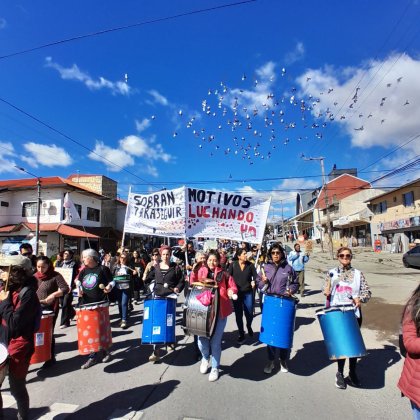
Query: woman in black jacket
[[168, 280]]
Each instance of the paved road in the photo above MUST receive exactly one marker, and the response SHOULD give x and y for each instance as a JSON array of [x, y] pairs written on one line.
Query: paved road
[[130, 387]]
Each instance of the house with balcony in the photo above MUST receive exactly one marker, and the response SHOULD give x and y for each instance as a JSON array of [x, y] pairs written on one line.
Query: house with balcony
[[99, 223], [396, 217]]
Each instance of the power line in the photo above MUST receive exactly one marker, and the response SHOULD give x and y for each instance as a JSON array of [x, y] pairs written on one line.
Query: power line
[[71, 139], [120, 28]]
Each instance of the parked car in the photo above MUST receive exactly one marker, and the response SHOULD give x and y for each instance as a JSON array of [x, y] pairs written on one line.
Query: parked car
[[412, 258]]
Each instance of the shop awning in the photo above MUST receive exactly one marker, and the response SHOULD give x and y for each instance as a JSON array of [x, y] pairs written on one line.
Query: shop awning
[[62, 229]]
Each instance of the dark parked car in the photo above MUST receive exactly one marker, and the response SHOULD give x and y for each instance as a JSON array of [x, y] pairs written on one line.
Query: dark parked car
[[412, 258]]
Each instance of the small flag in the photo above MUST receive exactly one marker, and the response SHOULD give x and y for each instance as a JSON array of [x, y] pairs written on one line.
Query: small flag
[[70, 211]]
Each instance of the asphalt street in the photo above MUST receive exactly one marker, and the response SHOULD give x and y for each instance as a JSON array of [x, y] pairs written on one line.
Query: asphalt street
[[131, 387]]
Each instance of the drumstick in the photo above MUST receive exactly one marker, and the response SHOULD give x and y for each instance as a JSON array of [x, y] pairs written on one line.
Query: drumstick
[[126, 266]]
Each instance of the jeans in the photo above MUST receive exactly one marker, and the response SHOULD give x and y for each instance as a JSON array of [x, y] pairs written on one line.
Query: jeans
[[214, 343], [272, 352], [244, 304], [416, 411], [123, 297]]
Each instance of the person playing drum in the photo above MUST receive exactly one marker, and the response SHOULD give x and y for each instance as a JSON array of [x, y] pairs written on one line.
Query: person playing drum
[[214, 274], [51, 286], [277, 277], [168, 279], [345, 285], [123, 269], [19, 314], [95, 283]]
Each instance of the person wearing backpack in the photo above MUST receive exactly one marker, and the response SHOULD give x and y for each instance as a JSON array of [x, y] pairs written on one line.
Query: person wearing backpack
[[20, 316]]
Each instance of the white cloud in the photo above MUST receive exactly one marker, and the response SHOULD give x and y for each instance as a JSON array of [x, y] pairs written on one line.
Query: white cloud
[[42, 154], [117, 156], [143, 124], [6, 164], [134, 145], [129, 147], [74, 73], [3, 23], [258, 96], [296, 55], [368, 123], [152, 170], [158, 98]]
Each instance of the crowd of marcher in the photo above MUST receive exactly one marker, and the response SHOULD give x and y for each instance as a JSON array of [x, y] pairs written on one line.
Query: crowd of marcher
[[241, 273]]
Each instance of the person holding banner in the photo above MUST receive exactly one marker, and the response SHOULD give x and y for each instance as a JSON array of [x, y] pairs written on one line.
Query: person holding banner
[[244, 275], [214, 274], [345, 285], [67, 310], [277, 277], [123, 274], [168, 279], [51, 286]]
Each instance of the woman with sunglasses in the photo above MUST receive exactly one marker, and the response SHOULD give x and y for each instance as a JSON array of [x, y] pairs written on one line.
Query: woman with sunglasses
[[277, 277], [168, 280], [345, 285], [155, 261]]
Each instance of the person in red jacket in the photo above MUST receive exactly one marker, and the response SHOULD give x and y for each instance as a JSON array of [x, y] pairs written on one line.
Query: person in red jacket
[[227, 289], [19, 314], [409, 382]]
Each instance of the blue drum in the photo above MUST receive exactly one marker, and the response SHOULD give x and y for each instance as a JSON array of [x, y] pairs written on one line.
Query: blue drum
[[159, 321], [278, 321], [341, 332]]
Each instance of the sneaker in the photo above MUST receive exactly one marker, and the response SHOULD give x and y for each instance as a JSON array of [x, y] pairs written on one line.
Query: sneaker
[[214, 374], [339, 381], [154, 357], [63, 326], [107, 357], [137, 302], [89, 363], [124, 325], [283, 366], [269, 367], [250, 332], [241, 339], [204, 366], [353, 380]]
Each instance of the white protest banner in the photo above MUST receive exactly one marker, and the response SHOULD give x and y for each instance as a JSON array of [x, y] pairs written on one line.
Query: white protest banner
[[160, 214], [67, 274], [219, 214]]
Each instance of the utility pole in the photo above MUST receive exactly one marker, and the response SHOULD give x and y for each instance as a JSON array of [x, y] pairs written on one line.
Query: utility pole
[[38, 207], [324, 187]]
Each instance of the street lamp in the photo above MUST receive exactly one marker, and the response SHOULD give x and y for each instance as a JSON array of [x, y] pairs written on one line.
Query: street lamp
[[38, 207], [324, 185]]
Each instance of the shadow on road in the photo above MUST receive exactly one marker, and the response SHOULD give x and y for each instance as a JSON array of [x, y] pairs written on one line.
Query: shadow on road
[[250, 366], [127, 401], [371, 368], [310, 359], [303, 320]]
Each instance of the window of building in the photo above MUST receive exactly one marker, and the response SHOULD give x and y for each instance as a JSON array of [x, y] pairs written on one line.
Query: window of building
[[4, 204], [93, 214], [408, 199], [29, 209], [79, 209], [380, 207]]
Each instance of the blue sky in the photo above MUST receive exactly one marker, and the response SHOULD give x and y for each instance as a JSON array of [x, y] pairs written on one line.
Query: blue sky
[[231, 97]]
